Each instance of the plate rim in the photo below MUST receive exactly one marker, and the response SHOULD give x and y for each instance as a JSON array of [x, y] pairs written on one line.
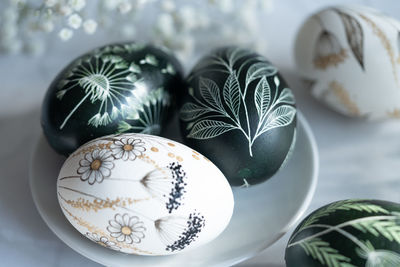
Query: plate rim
[[295, 218]]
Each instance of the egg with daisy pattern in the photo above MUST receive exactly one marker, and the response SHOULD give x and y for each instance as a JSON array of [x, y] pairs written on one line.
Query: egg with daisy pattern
[[143, 194], [117, 88]]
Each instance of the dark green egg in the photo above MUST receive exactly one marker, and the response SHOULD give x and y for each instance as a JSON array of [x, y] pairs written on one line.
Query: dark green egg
[[348, 233], [116, 88], [239, 112]]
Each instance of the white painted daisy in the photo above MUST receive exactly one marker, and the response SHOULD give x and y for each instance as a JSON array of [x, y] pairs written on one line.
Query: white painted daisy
[[96, 165], [127, 148], [103, 241], [127, 229]]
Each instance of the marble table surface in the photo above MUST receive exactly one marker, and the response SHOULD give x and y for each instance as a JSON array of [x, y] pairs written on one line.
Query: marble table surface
[[358, 159]]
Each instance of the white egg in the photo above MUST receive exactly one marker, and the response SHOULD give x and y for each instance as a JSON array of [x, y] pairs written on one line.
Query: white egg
[[144, 194], [351, 57]]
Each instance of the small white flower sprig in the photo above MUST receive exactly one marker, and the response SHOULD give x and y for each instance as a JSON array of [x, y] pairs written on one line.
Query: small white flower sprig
[[177, 24]]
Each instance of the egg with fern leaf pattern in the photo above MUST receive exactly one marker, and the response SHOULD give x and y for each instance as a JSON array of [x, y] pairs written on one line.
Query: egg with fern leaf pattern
[[239, 112], [352, 232]]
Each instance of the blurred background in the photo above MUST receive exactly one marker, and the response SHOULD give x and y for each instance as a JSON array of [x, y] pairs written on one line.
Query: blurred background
[[358, 159]]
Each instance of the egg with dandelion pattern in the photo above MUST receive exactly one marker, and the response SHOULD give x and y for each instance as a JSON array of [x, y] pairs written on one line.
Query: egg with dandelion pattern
[[349, 233], [239, 112], [117, 88], [144, 194]]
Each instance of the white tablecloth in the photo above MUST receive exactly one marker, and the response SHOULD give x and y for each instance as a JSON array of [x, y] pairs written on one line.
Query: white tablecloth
[[358, 159]]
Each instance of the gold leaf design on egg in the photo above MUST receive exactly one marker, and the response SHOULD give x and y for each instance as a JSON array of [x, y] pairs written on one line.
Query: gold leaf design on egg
[[344, 98], [385, 42], [154, 149], [91, 148], [100, 204], [328, 51], [98, 231]]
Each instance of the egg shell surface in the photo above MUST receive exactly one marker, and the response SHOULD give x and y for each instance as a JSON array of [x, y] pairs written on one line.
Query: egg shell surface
[[143, 194]]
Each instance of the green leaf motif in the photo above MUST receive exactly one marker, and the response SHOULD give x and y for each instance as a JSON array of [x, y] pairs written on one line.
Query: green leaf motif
[[232, 93], [234, 54], [346, 205], [383, 258], [262, 96], [210, 92], [286, 96], [387, 228], [280, 117], [209, 128], [258, 70], [322, 251], [191, 111]]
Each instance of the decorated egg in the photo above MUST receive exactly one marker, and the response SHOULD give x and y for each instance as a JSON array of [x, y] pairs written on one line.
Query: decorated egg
[[350, 57], [117, 88], [239, 112], [347, 233], [143, 194]]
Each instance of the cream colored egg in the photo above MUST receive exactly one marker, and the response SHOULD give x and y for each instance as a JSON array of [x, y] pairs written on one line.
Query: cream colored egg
[[144, 194], [351, 57]]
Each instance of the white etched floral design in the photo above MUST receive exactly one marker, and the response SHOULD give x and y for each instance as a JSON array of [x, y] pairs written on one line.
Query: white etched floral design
[[95, 166], [127, 148], [146, 110], [117, 87], [216, 113], [103, 241], [126, 228]]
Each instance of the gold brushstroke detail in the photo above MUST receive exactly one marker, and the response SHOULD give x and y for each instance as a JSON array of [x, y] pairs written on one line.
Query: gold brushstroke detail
[[386, 44], [93, 229], [99, 204], [323, 62], [344, 97], [395, 113], [92, 148]]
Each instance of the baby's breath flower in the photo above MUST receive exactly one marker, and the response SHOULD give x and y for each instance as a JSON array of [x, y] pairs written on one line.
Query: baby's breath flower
[[75, 21], [77, 5], [64, 10], [124, 7], [90, 26], [65, 34]]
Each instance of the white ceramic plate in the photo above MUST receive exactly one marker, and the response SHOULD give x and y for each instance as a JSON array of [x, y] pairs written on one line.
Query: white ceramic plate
[[263, 213]]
